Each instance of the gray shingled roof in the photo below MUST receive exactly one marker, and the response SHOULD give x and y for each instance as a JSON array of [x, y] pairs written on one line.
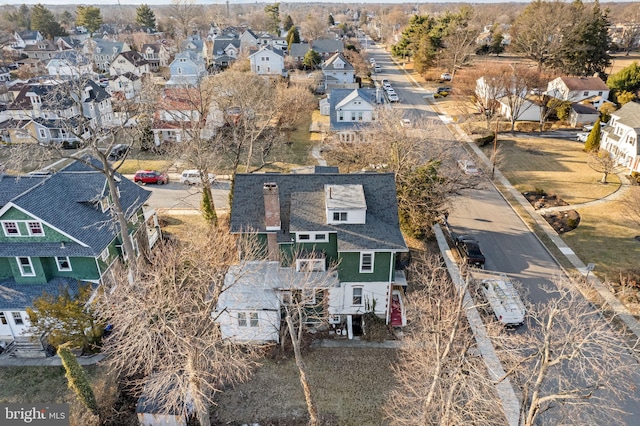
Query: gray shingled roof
[[629, 114], [65, 201], [303, 208], [337, 95], [14, 296], [12, 186], [329, 64]]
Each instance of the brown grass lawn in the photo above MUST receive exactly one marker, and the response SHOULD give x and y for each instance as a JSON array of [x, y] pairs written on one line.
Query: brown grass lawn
[[350, 386], [605, 234], [557, 166]]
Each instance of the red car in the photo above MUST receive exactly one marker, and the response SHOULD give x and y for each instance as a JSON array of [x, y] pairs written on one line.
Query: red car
[[150, 176]]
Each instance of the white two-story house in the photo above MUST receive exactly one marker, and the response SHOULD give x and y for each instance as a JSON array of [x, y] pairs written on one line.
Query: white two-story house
[[339, 73], [591, 90], [268, 61], [620, 137]]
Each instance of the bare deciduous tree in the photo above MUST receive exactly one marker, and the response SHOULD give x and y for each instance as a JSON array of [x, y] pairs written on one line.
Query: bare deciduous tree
[[602, 161], [164, 340], [256, 113], [441, 381], [184, 13], [75, 116], [304, 305], [569, 364]]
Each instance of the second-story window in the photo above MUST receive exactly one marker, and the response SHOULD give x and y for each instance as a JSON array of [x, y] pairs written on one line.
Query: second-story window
[[35, 228], [366, 262], [11, 229], [63, 263], [340, 216]]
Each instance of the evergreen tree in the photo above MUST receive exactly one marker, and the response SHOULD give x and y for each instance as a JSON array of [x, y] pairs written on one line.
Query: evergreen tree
[[43, 20], [293, 36], [585, 44], [593, 140], [625, 80], [331, 21], [145, 17], [66, 18], [288, 23], [77, 379], [273, 17], [66, 319], [21, 18], [89, 17], [496, 46], [312, 59]]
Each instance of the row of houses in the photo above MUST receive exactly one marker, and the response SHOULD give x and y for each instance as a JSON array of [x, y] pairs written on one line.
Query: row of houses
[[587, 95], [334, 236]]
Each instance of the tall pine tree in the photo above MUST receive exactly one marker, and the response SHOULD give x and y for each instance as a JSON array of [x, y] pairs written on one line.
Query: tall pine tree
[[145, 17]]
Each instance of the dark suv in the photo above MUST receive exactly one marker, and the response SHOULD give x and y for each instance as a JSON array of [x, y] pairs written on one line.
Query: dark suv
[[118, 151], [469, 250], [150, 176]]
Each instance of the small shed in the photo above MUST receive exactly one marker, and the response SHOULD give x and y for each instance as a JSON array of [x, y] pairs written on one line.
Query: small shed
[[150, 413], [582, 114]]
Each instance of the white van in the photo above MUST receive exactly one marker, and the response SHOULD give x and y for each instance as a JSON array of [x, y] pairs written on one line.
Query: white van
[[504, 300], [192, 177]]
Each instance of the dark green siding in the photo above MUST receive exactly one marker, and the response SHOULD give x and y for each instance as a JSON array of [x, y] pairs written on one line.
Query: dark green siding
[[349, 268], [39, 278], [5, 268], [83, 268], [50, 235]]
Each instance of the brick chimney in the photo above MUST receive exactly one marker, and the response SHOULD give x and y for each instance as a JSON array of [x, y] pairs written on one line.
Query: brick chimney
[[272, 218], [271, 206]]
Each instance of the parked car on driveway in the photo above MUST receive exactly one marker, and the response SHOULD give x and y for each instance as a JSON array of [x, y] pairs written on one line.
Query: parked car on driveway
[[469, 250], [151, 176], [442, 90], [405, 122], [589, 127], [582, 137], [445, 76]]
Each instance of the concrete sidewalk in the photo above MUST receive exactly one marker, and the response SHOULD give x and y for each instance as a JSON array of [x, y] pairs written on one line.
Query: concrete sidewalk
[[590, 279], [9, 361]]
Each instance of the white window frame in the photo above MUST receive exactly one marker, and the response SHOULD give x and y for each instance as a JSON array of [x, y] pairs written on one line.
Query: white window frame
[[242, 319], [17, 318], [104, 204], [105, 254], [5, 224], [362, 263], [340, 216], [311, 265], [21, 266], [60, 260], [134, 219], [360, 296], [254, 320], [38, 226], [43, 133], [321, 237], [304, 237]]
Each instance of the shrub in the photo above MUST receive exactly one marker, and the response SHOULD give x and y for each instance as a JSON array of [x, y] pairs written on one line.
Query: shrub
[[484, 139]]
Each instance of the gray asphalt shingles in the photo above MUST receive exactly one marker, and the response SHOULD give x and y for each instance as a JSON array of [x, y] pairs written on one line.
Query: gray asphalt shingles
[[302, 208]]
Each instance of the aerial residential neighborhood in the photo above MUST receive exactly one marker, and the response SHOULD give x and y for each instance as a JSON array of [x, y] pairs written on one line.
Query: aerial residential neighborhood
[[320, 214]]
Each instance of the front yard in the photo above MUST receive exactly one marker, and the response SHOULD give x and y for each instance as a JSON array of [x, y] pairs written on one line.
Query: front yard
[[559, 167]]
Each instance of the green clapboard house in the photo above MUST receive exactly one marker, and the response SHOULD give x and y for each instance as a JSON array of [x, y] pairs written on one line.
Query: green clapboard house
[[57, 231]]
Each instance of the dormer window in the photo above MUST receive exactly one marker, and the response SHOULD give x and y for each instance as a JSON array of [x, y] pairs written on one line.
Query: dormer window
[[340, 216], [11, 229], [366, 262], [35, 229], [104, 204]]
